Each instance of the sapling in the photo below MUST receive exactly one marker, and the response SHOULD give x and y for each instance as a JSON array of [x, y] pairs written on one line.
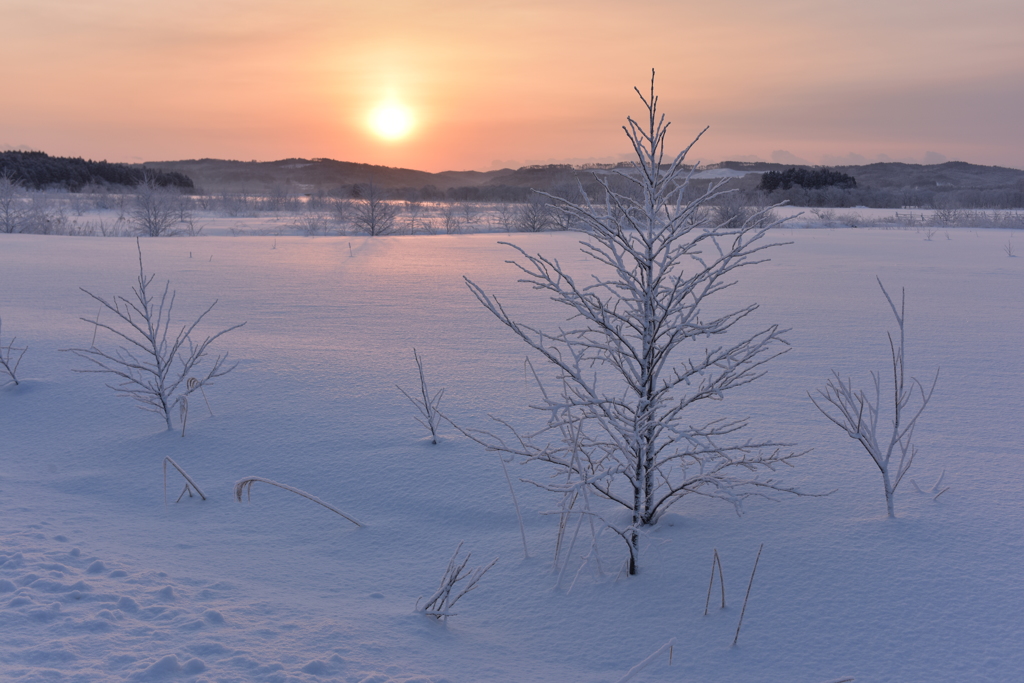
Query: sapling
[[10, 356], [647, 343], [156, 357], [427, 404], [858, 414]]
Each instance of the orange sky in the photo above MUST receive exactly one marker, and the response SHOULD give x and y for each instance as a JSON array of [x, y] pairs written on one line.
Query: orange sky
[[509, 83]]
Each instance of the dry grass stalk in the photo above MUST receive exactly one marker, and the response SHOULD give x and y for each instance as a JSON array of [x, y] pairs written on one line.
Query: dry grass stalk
[[192, 384], [642, 665], [245, 486], [747, 597], [715, 561], [189, 482], [183, 409]]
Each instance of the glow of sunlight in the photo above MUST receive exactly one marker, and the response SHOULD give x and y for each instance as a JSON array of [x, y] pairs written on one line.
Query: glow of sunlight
[[391, 121]]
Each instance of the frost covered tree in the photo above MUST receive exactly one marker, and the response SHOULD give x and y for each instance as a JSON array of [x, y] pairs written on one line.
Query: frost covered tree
[[12, 211], [154, 210], [156, 358], [645, 346], [857, 413]]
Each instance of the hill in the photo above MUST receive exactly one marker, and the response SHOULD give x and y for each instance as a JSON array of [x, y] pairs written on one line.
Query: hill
[[880, 182]]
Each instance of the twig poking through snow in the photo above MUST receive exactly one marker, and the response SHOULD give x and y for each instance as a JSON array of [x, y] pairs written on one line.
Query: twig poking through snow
[[428, 405], [749, 585], [439, 604], [245, 486], [642, 665], [7, 353]]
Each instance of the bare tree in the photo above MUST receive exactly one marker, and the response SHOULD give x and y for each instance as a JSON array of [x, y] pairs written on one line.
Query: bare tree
[[621, 425], [504, 214], [533, 215], [154, 209], [450, 218], [153, 362], [342, 212], [12, 210], [857, 414], [312, 222], [375, 214]]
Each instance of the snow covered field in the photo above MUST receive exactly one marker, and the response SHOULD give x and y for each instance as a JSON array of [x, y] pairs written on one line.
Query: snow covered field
[[100, 580]]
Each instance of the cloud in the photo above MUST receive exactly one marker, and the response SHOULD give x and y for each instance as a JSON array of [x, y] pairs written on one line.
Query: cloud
[[751, 158], [781, 156], [854, 159], [850, 159]]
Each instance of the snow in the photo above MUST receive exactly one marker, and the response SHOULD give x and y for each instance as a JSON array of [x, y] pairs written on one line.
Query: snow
[[100, 580]]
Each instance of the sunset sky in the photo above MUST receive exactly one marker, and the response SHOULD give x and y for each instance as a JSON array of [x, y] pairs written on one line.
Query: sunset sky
[[460, 85]]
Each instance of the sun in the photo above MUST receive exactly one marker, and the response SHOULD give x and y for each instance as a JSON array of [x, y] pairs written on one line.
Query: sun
[[391, 121]]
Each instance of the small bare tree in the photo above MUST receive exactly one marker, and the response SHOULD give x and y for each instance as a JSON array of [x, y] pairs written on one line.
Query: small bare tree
[[450, 218], [621, 423], [155, 358], [857, 414], [533, 215], [12, 209], [504, 216], [341, 210], [375, 214], [428, 405], [154, 211], [10, 356]]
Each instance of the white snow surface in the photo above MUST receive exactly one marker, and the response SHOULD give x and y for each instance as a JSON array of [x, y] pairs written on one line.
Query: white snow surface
[[101, 581]]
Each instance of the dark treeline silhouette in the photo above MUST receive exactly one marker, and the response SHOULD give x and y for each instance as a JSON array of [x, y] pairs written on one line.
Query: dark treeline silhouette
[[810, 178], [40, 171]]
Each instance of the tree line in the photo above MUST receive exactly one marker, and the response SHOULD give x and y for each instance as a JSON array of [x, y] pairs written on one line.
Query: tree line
[[808, 178], [39, 171]]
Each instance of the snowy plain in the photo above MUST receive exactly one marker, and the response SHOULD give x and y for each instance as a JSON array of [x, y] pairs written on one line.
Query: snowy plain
[[100, 580]]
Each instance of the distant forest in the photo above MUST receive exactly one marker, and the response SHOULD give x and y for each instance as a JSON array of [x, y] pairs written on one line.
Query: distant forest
[[40, 171], [810, 178]]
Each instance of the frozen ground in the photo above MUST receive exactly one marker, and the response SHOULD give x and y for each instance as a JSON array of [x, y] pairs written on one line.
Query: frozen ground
[[99, 580]]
